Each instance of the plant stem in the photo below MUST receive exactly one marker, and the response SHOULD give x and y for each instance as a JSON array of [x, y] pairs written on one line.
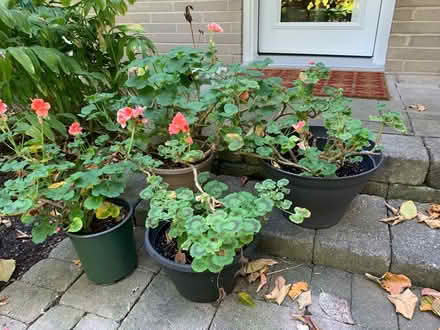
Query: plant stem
[[131, 140], [42, 137]]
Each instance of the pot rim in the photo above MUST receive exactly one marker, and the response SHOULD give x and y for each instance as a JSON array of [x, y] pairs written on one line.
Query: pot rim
[[161, 259], [184, 170], [127, 218], [332, 179]]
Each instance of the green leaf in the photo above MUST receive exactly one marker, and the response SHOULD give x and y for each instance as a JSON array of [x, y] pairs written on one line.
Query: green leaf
[[222, 260], [49, 57], [41, 231], [234, 141], [199, 265], [76, 225], [216, 188], [20, 56], [197, 250], [408, 210], [93, 202], [109, 189], [229, 110], [250, 226], [107, 210]]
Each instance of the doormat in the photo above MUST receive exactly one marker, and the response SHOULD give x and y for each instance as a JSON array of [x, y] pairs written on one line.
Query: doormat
[[366, 85]]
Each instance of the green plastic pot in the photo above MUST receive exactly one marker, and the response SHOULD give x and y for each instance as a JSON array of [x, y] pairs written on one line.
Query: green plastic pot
[[108, 256]]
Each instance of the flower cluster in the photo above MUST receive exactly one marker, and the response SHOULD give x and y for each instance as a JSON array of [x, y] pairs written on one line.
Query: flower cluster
[[40, 107], [180, 124], [75, 129], [214, 27], [127, 113], [3, 107]]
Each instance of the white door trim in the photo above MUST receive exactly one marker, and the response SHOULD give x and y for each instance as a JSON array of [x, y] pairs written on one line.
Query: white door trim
[[377, 62]]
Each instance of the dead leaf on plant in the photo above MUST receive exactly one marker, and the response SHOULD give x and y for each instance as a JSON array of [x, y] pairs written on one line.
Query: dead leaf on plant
[[257, 265], [7, 267], [263, 281], [246, 299], [393, 283], [180, 258], [336, 308], [405, 303], [418, 107], [4, 300], [280, 291], [297, 288], [304, 300]]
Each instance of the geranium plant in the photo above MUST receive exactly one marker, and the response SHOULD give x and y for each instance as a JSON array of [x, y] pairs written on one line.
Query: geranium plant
[[208, 228], [268, 121], [64, 184]]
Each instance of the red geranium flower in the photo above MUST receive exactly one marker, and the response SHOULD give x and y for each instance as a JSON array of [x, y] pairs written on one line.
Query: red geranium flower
[[124, 115], [3, 107], [179, 124], [40, 107], [75, 129]]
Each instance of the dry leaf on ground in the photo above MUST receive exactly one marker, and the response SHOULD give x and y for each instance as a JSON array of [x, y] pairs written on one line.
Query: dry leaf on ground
[[77, 262], [180, 258], [297, 288], [393, 283], [280, 291], [434, 210], [7, 267], [407, 211], [336, 308], [426, 303], [257, 265], [4, 300], [436, 306], [263, 281], [405, 303], [253, 277], [307, 320], [246, 299], [433, 224], [418, 107], [304, 300], [430, 292]]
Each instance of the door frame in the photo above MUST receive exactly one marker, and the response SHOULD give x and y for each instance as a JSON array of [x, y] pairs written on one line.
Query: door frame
[[377, 62]]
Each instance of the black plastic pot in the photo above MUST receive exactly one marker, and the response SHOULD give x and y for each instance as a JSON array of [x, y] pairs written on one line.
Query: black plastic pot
[[108, 256], [197, 287], [326, 198]]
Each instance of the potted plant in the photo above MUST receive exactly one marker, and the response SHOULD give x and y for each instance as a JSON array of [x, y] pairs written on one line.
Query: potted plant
[[64, 183], [327, 166], [294, 11], [199, 238]]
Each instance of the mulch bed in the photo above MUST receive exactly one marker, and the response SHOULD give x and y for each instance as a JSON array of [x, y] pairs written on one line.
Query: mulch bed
[[23, 251]]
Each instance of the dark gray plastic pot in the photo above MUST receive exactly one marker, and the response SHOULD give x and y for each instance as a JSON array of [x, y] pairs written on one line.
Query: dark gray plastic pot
[[197, 287], [326, 198]]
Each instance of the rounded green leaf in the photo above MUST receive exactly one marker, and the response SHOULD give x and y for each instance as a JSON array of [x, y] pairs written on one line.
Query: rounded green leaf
[[222, 260], [229, 225], [263, 205], [195, 225], [250, 226], [199, 264], [184, 194], [197, 250], [76, 225], [185, 212]]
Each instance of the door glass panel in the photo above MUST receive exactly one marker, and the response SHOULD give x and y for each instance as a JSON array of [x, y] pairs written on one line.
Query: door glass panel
[[318, 11]]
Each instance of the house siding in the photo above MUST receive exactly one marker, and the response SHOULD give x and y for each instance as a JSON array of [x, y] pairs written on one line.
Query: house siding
[[414, 46]]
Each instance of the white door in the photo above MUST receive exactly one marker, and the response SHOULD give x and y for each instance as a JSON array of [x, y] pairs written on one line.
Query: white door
[[318, 27]]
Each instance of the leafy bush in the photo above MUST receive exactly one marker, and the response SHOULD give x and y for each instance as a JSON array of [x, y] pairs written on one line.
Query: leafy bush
[[64, 52]]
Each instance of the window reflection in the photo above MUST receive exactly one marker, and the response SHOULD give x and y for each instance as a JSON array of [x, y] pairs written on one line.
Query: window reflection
[[316, 10]]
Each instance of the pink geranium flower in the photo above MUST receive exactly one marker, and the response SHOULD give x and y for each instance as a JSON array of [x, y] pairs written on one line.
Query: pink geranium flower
[[3, 107], [138, 112], [75, 129], [214, 27], [299, 126], [179, 124], [40, 107], [124, 115], [302, 146], [189, 140], [311, 62]]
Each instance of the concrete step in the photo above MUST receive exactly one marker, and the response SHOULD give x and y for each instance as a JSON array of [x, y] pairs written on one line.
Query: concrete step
[[360, 243]]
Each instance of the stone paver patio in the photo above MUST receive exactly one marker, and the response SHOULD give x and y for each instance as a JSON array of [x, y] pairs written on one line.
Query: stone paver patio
[[56, 294]]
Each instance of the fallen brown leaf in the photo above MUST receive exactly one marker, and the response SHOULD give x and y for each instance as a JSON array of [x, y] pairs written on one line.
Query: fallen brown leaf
[[77, 262], [426, 303], [307, 320], [405, 303], [180, 258], [434, 210], [244, 180], [336, 308], [418, 107], [433, 224], [430, 292], [263, 281], [297, 288], [257, 265], [393, 283], [304, 300], [7, 267], [4, 300], [21, 235], [253, 277], [280, 290], [436, 306]]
